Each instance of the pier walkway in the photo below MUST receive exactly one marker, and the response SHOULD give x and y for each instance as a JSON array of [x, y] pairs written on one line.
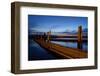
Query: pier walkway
[[65, 52]]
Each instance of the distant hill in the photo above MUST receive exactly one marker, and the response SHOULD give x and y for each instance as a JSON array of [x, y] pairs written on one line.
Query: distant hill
[[85, 30], [74, 32]]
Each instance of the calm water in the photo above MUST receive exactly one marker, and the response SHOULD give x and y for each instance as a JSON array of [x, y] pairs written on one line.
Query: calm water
[[71, 44], [38, 53], [69, 38]]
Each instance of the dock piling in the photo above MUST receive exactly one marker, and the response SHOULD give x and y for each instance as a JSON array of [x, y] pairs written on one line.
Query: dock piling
[[79, 45]]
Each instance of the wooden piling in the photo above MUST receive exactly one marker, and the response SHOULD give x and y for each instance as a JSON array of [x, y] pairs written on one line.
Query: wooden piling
[[48, 35], [62, 51], [80, 34], [80, 37]]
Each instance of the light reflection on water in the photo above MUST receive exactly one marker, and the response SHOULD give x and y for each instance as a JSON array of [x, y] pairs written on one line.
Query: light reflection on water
[[69, 38], [35, 52], [38, 53], [71, 44]]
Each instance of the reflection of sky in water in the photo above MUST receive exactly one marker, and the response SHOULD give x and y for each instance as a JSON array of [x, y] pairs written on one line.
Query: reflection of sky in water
[[35, 52], [71, 44], [69, 38], [38, 53]]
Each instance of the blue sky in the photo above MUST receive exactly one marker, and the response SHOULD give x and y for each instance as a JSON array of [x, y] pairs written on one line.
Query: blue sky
[[43, 23]]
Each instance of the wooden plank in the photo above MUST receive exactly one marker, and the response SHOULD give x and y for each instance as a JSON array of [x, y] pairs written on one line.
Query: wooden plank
[[61, 50]]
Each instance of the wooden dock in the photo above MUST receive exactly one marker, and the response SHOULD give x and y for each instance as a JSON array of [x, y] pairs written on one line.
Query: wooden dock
[[65, 52]]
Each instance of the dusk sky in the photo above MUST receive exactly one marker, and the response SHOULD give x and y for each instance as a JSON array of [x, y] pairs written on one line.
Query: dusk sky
[[43, 23]]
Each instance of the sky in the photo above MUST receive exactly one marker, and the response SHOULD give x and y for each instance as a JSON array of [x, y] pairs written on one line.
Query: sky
[[45, 23]]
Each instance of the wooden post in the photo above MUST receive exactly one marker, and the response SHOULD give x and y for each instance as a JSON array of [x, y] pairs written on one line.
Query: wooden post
[[41, 37], [80, 34], [44, 36], [80, 37], [48, 35]]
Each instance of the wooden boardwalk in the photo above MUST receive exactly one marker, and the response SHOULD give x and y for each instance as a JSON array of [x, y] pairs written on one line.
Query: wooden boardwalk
[[65, 52]]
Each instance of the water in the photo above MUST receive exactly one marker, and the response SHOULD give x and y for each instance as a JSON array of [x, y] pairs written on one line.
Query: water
[[38, 53], [71, 44], [68, 38]]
